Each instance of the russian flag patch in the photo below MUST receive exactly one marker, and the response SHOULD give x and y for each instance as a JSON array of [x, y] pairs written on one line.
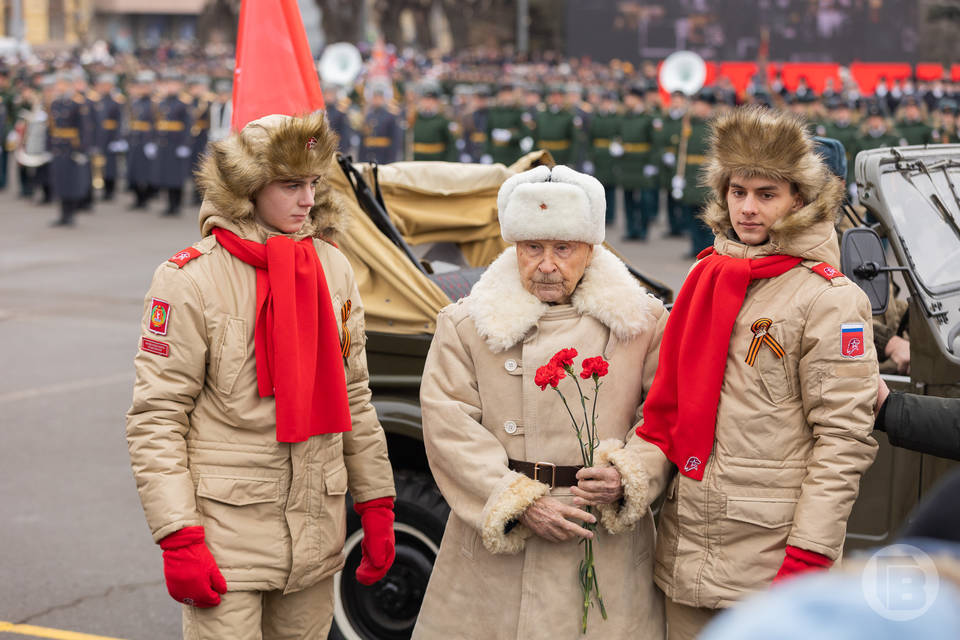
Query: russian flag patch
[[851, 341]]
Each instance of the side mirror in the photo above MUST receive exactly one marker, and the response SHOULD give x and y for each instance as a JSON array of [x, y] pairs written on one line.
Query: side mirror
[[863, 260]]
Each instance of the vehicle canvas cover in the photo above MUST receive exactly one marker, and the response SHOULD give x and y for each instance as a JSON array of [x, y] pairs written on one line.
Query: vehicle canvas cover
[[428, 202]]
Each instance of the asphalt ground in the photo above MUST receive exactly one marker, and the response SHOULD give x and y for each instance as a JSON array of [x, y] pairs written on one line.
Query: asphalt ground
[[76, 556]]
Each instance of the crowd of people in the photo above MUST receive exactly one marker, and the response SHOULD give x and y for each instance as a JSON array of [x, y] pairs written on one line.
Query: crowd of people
[[75, 126]]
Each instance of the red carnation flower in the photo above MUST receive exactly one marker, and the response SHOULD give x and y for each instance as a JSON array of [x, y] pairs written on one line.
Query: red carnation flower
[[595, 366], [549, 374], [564, 358]]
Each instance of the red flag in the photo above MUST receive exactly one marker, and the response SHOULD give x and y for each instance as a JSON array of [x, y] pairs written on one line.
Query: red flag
[[274, 72]]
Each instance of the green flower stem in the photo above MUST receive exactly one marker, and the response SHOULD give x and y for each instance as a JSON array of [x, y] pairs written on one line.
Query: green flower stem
[[576, 427]]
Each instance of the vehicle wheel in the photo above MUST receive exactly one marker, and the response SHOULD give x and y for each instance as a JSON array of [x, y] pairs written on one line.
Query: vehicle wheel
[[388, 609]]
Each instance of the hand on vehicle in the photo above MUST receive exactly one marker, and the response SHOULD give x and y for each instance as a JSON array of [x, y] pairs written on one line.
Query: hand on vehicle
[[548, 518], [898, 350], [596, 486], [191, 572], [377, 546], [799, 561]]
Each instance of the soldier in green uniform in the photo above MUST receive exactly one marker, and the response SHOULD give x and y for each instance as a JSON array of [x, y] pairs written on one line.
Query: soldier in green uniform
[[604, 131], [556, 129], [433, 134], [639, 168], [841, 126], [911, 125], [505, 127], [691, 194], [875, 132], [666, 137], [945, 129]]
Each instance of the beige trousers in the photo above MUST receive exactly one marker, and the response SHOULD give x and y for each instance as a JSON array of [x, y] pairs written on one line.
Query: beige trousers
[[264, 615], [686, 623]]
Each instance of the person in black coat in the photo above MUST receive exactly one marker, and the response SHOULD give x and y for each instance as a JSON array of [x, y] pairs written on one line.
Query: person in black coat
[[920, 423]]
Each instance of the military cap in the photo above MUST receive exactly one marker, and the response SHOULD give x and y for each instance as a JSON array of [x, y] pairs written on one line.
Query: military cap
[[612, 95], [110, 78], [199, 78], [504, 86], [430, 91], [221, 85], [706, 95], [555, 89], [873, 109], [636, 90], [947, 104], [145, 77], [652, 86], [171, 75], [909, 100]]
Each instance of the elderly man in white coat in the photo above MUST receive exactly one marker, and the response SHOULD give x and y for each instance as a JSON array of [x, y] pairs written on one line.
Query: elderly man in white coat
[[504, 452]]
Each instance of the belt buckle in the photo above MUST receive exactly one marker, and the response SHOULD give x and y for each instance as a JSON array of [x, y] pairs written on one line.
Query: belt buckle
[[537, 466]]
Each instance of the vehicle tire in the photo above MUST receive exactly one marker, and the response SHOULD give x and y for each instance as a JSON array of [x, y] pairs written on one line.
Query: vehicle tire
[[388, 609]]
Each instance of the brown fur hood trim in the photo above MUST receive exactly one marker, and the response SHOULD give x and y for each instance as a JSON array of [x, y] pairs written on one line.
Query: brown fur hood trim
[[272, 148], [754, 142]]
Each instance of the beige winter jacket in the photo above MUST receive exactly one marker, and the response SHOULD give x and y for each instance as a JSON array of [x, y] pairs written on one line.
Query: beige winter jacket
[[481, 407], [792, 434], [203, 443]]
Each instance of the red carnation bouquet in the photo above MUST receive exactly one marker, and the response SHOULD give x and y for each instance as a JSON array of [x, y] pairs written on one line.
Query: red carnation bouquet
[[550, 375]]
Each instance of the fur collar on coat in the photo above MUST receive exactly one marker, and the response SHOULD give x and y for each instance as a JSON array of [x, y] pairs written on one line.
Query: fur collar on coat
[[503, 311]]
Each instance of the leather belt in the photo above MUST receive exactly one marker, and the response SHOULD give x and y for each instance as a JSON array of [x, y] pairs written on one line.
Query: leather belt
[[546, 472]]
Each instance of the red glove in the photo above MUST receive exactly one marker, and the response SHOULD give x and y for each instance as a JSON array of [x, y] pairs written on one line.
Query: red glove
[[801, 561], [190, 570], [376, 518]]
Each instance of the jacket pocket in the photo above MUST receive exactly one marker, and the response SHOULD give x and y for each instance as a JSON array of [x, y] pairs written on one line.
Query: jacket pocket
[[229, 503], [770, 513], [231, 354], [328, 513], [773, 372]]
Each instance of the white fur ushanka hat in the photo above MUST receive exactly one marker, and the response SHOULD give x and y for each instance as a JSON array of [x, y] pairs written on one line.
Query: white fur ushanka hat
[[557, 204]]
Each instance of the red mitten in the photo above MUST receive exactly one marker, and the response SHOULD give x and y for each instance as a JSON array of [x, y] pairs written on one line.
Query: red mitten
[[189, 568], [800, 561], [376, 518]]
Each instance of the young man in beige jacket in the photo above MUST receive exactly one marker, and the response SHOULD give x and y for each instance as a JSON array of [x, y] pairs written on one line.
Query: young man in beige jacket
[[765, 388], [251, 413], [503, 451]]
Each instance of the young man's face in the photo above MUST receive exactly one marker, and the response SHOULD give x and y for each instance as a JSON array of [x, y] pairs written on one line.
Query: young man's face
[[285, 204], [551, 269], [756, 203]]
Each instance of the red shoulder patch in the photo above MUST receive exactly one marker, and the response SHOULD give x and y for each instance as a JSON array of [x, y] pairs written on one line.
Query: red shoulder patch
[[183, 257], [155, 347], [826, 271]]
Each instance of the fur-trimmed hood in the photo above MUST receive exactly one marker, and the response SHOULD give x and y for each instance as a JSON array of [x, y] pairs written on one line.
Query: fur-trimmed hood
[[503, 311], [271, 148], [758, 142]]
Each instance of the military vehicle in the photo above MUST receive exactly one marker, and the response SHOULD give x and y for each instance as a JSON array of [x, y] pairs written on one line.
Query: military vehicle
[[421, 234], [912, 201]]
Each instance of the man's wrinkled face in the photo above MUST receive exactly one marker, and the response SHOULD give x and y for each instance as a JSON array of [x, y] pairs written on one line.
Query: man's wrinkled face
[[755, 204], [551, 269]]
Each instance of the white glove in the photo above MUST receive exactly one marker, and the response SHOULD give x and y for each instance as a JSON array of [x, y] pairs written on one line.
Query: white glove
[[183, 151], [588, 167], [150, 150], [465, 157], [460, 144], [501, 135], [677, 184], [669, 159], [526, 144], [616, 149], [486, 159], [650, 170], [79, 158], [13, 139], [118, 146], [354, 141]]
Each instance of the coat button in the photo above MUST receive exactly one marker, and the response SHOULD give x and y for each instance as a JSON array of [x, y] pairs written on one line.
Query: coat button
[[510, 365], [510, 426]]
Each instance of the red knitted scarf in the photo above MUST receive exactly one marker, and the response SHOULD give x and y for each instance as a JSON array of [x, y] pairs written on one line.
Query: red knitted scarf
[[693, 356], [297, 344]]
